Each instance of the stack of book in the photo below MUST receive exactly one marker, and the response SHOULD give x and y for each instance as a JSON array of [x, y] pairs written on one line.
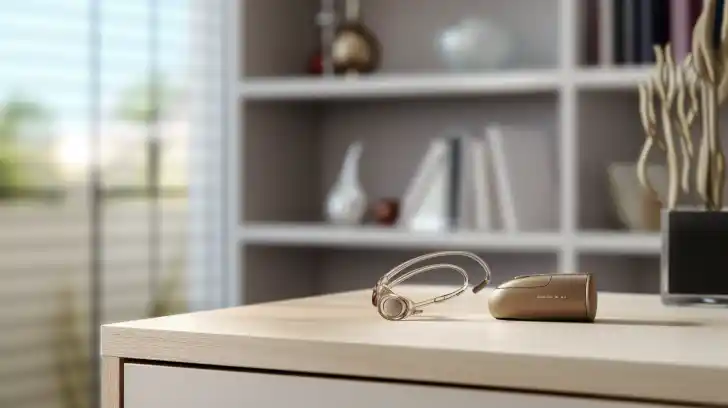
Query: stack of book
[[624, 32], [486, 183]]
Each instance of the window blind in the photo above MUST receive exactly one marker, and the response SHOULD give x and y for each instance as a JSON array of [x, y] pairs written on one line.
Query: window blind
[[111, 208]]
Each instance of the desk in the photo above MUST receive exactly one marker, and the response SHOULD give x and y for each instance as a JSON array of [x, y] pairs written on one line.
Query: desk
[[335, 351]]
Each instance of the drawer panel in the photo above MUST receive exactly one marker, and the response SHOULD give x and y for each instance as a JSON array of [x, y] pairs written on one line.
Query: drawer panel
[[155, 386]]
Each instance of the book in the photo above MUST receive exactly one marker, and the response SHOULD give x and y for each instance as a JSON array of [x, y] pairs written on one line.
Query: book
[[454, 175], [683, 16], [466, 190], [424, 205], [589, 25], [618, 31], [481, 186], [505, 200], [436, 199], [718, 24], [654, 27], [627, 30], [606, 32], [631, 30]]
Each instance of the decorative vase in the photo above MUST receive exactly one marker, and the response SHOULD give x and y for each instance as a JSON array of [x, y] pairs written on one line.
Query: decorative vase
[[346, 202], [637, 209], [475, 44], [355, 49]]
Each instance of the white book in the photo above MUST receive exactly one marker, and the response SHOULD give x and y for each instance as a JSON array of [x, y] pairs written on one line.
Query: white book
[[506, 204], [481, 186], [424, 204], [466, 212], [606, 32]]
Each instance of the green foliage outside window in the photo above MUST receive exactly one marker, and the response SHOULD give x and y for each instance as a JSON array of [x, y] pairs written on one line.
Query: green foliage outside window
[[25, 167], [18, 115]]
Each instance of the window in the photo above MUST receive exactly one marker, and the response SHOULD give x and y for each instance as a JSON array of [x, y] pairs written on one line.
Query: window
[[110, 198]]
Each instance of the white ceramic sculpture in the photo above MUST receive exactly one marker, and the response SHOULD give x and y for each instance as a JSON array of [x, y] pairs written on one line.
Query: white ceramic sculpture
[[346, 202]]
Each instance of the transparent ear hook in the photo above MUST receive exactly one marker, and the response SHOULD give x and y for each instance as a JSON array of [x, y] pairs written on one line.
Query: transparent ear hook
[[396, 307]]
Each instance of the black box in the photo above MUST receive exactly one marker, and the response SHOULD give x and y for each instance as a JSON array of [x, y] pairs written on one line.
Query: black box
[[694, 258]]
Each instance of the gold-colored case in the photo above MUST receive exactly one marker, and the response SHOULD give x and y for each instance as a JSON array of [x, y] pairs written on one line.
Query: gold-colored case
[[565, 297]]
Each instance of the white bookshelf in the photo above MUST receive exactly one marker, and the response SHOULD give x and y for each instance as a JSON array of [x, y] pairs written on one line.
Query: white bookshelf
[[290, 130]]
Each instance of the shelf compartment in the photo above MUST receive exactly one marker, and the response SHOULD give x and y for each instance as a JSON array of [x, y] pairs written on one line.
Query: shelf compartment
[[618, 243], [329, 236], [280, 38], [401, 86], [293, 151]]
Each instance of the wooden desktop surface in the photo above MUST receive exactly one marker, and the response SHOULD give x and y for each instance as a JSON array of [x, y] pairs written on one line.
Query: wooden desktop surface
[[636, 348]]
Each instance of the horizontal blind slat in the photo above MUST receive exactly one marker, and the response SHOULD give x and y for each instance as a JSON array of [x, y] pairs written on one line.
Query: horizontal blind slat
[[44, 398]]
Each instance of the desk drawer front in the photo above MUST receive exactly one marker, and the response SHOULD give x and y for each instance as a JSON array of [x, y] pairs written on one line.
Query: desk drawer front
[[153, 386]]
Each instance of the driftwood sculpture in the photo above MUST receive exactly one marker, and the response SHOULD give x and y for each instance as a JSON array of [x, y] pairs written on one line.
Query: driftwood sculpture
[[673, 97]]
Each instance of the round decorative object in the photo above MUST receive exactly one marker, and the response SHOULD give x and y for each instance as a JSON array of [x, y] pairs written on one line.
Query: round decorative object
[[474, 45], [386, 211], [316, 64], [355, 49]]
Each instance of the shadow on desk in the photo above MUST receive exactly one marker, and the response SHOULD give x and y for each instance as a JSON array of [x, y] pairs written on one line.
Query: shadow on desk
[[612, 321], [436, 318], [634, 322]]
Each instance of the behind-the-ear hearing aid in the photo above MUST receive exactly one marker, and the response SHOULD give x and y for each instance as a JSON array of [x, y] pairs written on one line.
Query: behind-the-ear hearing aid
[[393, 306]]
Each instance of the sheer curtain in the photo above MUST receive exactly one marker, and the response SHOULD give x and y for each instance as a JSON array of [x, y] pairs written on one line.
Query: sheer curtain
[[111, 197]]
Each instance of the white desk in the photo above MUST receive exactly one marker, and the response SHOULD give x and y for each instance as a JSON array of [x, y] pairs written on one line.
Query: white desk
[[335, 351]]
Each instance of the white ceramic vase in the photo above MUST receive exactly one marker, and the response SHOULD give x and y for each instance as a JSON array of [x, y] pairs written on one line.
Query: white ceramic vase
[[346, 201], [635, 208], [475, 44]]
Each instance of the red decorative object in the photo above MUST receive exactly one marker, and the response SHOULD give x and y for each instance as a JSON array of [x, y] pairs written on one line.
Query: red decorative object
[[386, 211], [316, 64]]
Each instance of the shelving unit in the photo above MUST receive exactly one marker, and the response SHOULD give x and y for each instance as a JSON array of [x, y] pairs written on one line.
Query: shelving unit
[[291, 129]]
